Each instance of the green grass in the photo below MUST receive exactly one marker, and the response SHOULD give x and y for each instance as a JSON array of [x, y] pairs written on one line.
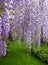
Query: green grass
[[18, 55]]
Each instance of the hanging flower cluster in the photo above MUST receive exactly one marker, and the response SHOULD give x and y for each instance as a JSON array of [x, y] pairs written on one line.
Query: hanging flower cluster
[[23, 18], [27, 19], [4, 28]]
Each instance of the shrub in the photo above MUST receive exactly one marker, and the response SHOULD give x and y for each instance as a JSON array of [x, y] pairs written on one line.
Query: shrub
[[41, 52]]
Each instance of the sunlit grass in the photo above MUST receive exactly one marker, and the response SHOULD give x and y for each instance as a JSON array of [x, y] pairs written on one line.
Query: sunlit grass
[[18, 55]]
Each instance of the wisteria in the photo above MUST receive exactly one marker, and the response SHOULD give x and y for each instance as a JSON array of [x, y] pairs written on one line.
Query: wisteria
[[27, 17], [4, 29], [14, 18], [23, 18]]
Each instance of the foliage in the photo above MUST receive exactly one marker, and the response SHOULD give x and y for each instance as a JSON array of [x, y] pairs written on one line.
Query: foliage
[[41, 52]]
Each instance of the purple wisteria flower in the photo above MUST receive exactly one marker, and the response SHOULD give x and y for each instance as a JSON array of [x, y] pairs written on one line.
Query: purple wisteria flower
[[23, 18], [4, 29]]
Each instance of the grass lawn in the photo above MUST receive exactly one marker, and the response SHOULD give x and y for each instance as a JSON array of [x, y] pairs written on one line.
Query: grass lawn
[[18, 55]]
